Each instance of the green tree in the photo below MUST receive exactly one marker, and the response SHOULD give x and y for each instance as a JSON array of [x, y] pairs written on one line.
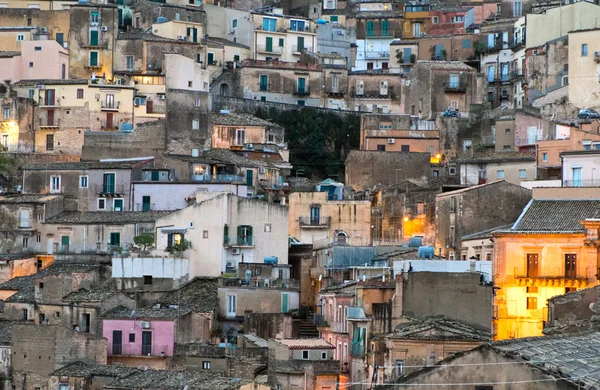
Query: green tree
[[144, 241], [7, 168]]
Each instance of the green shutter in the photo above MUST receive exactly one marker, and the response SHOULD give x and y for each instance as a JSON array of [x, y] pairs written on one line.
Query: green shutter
[[64, 240], [384, 28], [93, 58], [211, 58], [115, 239], [300, 44], [370, 28], [356, 338], [239, 231], [364, 335], [94, 38], [250, 232], [281, 42], [269, 44], [333, 19]]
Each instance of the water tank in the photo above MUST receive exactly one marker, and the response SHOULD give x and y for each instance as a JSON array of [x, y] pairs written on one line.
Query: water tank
[[83, 1], [248, 276], [126, 127], [321, 21], [161, 19], [271, 260], [415, 242], [426, 252]]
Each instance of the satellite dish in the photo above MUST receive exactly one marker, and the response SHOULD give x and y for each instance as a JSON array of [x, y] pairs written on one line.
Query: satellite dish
[[320, 277]]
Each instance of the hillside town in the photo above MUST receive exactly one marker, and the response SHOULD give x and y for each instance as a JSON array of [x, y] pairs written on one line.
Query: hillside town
[[299, 194]]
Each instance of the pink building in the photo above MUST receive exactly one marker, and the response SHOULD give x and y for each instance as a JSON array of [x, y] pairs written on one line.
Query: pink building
[[450, 21], [143, 337], [46, 60]]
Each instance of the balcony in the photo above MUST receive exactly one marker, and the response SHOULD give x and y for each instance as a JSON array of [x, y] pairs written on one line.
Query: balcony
[[357, 350], [377, 54], [219, 178], [581, 183], [315, 223], [114, 190], [455, 87], [148, 350], [335, 91], [555, 273], [299, 49], [49, 123], [274, 50], [110, 106], [302, 91]]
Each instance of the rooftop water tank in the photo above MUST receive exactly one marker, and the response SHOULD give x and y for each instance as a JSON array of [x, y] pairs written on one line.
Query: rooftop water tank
[[321, 21], [271, 260], [415, 242], [426, 252], [83, 1], [161, 19]]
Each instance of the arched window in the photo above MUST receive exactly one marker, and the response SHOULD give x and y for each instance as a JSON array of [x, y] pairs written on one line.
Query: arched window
[[341, 238], [565, 81]]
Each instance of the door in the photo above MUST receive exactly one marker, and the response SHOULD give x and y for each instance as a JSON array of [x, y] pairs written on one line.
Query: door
[[115, 240], [194, 35], [269, 44], [149, 107], [49, 98], [300, 44], [407, 55], [94, 38], [108, 186], [64, 243], [145, 203], [576, 177], [49, 142], [315, 215], [146, 343], [249, 178], [155, 176], [24, 223], [60, 38], [50, 117], [231, 306], [570, 266], [118, 205], [532, 265], [85, 323], [117, 342], [301, 85], [109, 120], [417, 29], [284, 302]]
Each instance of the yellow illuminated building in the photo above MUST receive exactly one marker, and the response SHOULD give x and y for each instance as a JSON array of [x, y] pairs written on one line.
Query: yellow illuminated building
[[551, 249]]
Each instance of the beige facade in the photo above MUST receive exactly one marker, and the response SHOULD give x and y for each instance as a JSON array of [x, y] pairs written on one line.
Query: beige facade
[[375, 91], [583, 62], [180, 30], [283, 37], [581, 168], [398, 133], [313, 217]]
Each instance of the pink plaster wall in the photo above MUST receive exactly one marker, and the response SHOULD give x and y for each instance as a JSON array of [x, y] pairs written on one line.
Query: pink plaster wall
[[163, 336], [47, 62]]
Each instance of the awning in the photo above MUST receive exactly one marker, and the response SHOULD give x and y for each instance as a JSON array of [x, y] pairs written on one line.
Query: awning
[[173, 230]]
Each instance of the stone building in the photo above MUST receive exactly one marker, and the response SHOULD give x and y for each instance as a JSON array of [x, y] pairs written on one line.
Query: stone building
[[364, 169], [16, 131], [233, 130], [463, 212], [398, 133], [375, 91], [47, 23], [513, 167], [447, 84]]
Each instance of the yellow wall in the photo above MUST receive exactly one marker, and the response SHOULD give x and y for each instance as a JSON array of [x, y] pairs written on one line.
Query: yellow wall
[[41, 4], [514, 319], [584, 86], [8, 39], [175, 28]]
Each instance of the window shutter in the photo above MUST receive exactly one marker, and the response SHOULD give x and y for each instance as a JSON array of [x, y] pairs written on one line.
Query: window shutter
[[250, 231], [239, 231], [364, 335]]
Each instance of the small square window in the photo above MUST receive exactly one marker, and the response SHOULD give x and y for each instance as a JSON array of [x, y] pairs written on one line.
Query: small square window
[[323, 355], [57, 314], [83, 182], [234, 23], [305, 355], [132, 337], [101, 204], [531, 303], [37, 48], [31, 64], [190, 84], [506, 131], [41, 285], [206, 365], [499, 174], [452, 170], [544, 157], [267, 228], [522, 174], [205, 234], [147, 280]]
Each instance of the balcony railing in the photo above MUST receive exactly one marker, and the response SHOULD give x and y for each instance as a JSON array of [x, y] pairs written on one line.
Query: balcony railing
[[110, 189], [377, 54], [321, 222], [110, 106], [300, 49], [45, 122], [138, 350], [581, 183], [455, 87], [269, 50], [227, 178], [245, 241], [549, 273], [336, 90], [302, 91], [357, 350]]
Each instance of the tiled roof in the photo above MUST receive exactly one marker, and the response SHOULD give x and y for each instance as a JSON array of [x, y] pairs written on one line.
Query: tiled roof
[[450, 65], [96, 295], [574, 357], [305, 343], [103, 217], [24, 285], [137, 35], [84, 370], [578, 152], [484, 233], [85, 165], [238, 119], [473, 188], [171, 380], [440, 328], [27, 198], [499, 157], [561, 216], [199, 295], [144, 313], [6, 332], [226, 42], [51, 82], [9, 54]]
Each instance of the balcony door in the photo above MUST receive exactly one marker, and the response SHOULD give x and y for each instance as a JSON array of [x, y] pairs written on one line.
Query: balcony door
[[577, 177], [108, 183], [532, 264], [146, 343], [315, 215], [117, 342], [570, 265]]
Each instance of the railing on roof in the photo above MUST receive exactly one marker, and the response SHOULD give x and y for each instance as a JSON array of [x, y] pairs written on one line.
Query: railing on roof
[[155, 350], [550, 273], [217, 178], [581, 183]]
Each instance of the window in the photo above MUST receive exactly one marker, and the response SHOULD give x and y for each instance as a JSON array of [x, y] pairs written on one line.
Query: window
[[381, 148], [31, 93], [531, 290], [281, 42], [452, 204], [267, 228], [466, 43], [20, 37], [38, 238], [83, 182], [244, 235], [195, 124], [544, 157], [506, 131], [101, 204], [269, 24], [85, 322], [452, 170], [60, 38], [25, 242], [435, 20], [6, 112], [24, 314], [138, 101], [531, 303], [93, 58], [54, 184], [197, 102], [264, 82], [132, 337], [31, 64], [205, 234], [399, 368], [384, 28], [333, 19], [118, 204], [211, 58], [240, 137], [584, 50], [453, 81], [323, 355], [148, 280], [405, 148], [129, 66], [94, 38], [500, 174], [304, 355], [57, 314], [522, 174], [297, 25], [205, 365], [370, 28], [234, 23], [42, 318], [231, 305], [79, 93], [94, 17]]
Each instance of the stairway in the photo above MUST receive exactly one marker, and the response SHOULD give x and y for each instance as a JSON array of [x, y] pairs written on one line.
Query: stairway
[[307, 329]]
